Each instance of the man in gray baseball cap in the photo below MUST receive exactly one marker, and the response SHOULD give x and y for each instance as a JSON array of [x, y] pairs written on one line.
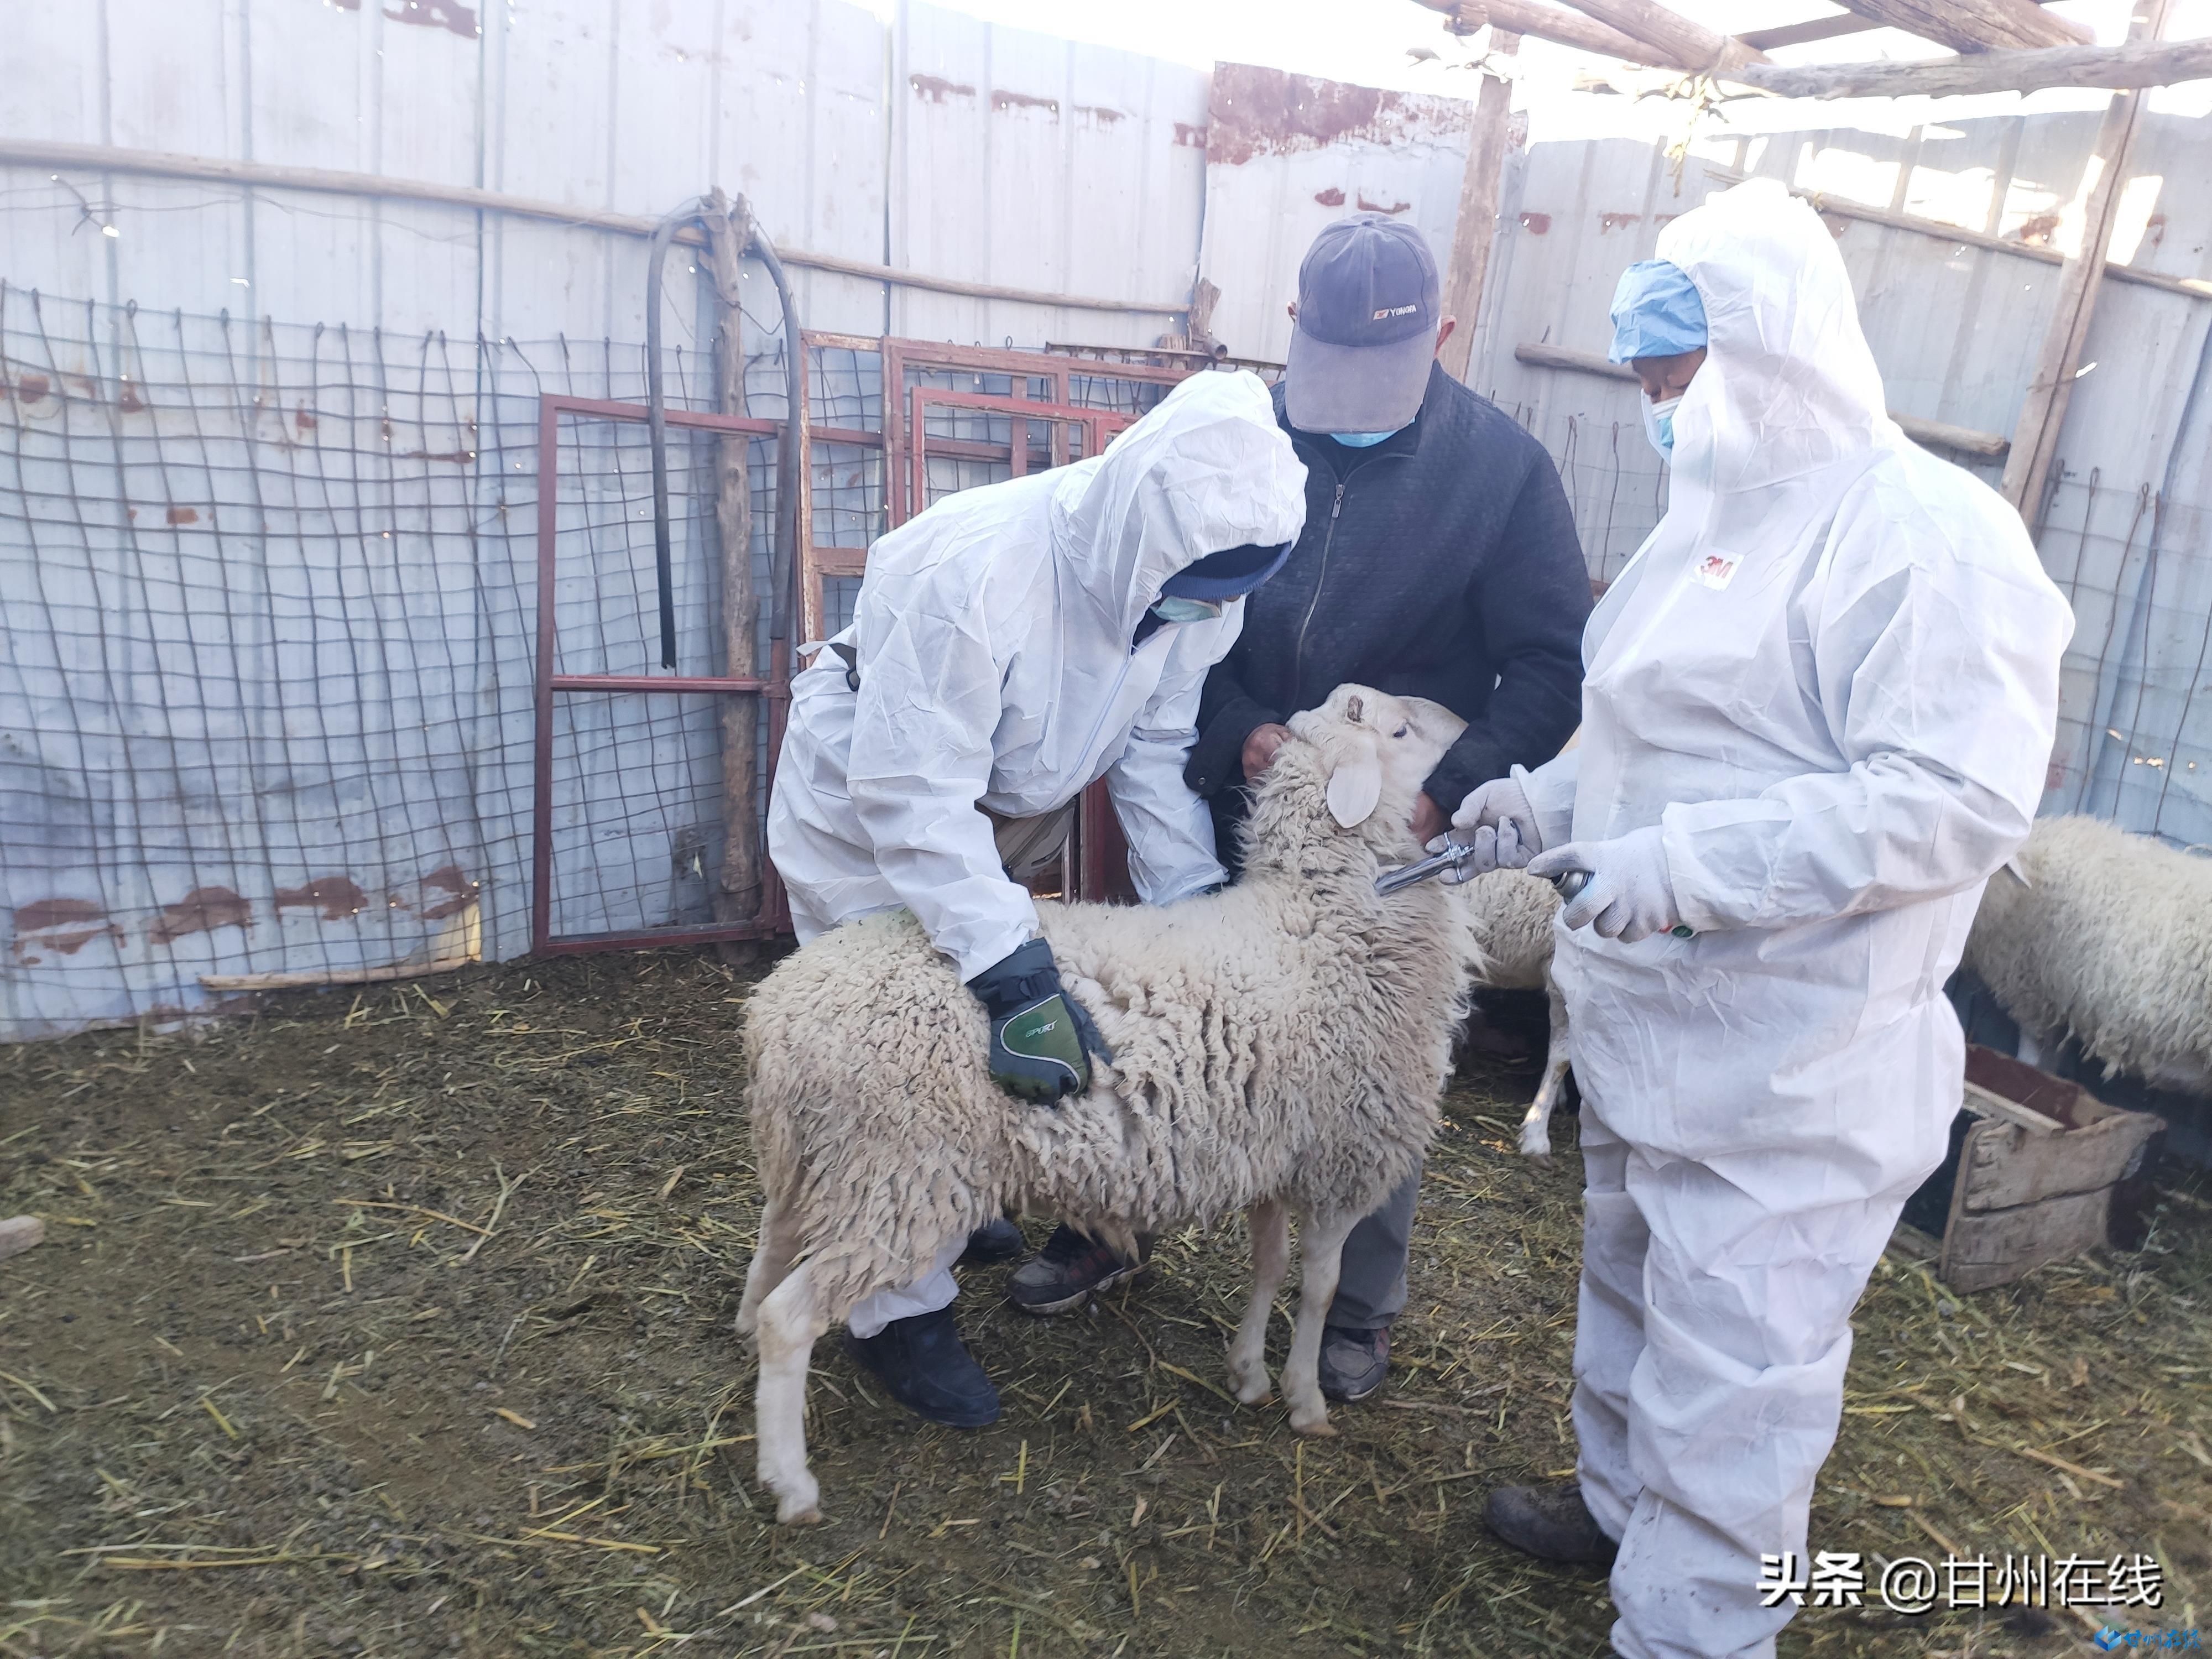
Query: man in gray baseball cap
[[1367, 324], [1438, 559]]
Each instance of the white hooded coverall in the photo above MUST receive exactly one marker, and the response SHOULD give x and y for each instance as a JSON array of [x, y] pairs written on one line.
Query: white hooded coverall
[[1831, 677], [993, 638]]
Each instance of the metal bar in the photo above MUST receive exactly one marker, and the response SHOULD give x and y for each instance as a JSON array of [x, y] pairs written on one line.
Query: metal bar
[[662, 683], [894, 432], [541, 764], [998, 402], [605, 408], [163, 164], [847, 434], [917, 485]]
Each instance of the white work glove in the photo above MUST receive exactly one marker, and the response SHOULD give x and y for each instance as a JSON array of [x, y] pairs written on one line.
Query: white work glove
[[1502, 826], [1629, 896]]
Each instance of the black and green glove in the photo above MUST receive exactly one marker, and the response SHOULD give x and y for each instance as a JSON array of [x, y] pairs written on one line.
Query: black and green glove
[[1041, 1039]]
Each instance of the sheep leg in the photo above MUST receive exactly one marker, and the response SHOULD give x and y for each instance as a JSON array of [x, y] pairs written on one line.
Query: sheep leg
[[1536, 1126], [1321, 1241], [774, 1245], [1270, 1224], [790, 1320]]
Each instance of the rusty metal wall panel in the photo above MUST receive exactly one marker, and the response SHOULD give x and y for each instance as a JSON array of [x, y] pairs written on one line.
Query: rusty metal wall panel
[[1286, 155]]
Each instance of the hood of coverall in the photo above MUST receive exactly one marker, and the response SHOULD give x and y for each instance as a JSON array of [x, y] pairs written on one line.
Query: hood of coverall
[[1206, 471], [1788, 386]]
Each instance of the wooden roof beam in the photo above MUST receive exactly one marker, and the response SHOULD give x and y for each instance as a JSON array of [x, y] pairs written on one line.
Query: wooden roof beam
[[1561, 27], [1975, 24], [1815, 29], [2135, 64], [1682, 42]]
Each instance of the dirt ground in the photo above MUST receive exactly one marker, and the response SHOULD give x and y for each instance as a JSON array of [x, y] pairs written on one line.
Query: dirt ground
[[399, 1322]]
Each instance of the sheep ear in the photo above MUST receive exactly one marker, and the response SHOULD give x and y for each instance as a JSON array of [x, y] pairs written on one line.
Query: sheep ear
[[1354, 787]]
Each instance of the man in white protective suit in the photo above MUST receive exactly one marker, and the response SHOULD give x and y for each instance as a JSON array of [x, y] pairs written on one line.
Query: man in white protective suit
[[1818, 708], [1012, 645]]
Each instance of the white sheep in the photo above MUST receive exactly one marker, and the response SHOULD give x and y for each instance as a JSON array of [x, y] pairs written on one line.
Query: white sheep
[[1280, 1048], [1512, 912], [2108, 938]]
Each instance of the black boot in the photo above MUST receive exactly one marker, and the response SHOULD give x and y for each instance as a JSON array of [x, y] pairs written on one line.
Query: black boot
[[1069, 1268], [1550, 1522], [998, 1240], [921, 1361]]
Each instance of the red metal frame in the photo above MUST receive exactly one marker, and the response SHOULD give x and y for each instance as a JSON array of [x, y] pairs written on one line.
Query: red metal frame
[[1098, 426], [775, 688], [1098, 858]]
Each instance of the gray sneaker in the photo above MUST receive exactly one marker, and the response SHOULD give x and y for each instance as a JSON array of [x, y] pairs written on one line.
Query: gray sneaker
[[1353, 1363], [1550, 1522], [1069, 1268]]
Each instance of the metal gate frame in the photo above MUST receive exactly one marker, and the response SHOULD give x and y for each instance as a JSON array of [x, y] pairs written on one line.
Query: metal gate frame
[[775, 688], [1098, 857], [1098, 425]]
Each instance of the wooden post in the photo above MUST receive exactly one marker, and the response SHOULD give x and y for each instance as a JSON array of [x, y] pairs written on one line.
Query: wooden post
[[2043, 415], [1684, 42], [738, 893], [1975, 24], [1476, 228]]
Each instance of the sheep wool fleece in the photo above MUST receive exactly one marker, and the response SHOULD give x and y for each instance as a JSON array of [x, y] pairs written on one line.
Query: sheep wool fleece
[[1830, 677]]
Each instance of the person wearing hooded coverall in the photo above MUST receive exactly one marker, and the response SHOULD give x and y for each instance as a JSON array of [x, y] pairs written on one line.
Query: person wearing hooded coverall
[[1817, 706], [1010, 646]]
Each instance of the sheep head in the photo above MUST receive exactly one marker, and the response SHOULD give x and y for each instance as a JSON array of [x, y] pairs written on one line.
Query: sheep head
[[1349, 777]]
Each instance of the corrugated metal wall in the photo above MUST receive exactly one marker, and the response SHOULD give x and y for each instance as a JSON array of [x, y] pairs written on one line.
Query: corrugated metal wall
[[941, 143]]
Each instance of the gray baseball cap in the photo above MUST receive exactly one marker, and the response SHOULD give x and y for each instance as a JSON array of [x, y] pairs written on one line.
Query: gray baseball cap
[[1366, 327]]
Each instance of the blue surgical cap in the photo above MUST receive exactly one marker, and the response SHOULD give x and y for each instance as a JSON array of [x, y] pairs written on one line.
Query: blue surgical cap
[[1657, 312]]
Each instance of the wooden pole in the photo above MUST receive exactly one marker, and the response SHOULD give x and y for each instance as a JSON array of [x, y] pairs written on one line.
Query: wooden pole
[[1690, 45], [1935, 435], [2043, 415], [2137, 63], [1975, 24], [1819, 29], [1476, 228], [1566, 28], [737, 896]]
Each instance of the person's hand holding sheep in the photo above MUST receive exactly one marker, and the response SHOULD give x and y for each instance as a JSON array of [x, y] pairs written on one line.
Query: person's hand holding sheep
[[1042, 1038]]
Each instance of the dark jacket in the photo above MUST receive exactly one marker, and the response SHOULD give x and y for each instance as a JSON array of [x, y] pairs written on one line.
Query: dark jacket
[[1442, 562]]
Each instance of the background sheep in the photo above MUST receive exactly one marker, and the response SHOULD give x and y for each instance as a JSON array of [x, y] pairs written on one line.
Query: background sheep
[[1510, 913], [1279, 1047], [2108, 939]]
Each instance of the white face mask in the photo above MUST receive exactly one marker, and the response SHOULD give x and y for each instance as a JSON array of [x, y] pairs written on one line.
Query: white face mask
[[1173, 608], [1659, 424]]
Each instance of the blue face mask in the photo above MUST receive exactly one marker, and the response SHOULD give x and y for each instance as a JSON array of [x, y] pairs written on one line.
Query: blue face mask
[[1173, 608], [1659, 424], [1365, 440]]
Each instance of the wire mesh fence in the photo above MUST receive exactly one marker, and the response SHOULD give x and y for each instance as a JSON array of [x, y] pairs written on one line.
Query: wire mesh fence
[[269, 594], [266, 703]]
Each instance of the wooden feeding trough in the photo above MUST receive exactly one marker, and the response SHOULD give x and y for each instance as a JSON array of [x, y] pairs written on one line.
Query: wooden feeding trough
[[2038, 1168]]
